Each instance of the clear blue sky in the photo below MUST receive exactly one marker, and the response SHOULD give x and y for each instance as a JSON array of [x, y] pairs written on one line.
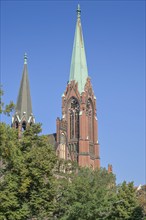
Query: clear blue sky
[[114, 37]]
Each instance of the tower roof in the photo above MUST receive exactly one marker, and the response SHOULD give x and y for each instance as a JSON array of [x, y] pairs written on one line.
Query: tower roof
[[24, 106], [78, 69]]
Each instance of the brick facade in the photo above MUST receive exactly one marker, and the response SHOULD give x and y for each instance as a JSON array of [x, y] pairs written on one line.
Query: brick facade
[[78, 126]]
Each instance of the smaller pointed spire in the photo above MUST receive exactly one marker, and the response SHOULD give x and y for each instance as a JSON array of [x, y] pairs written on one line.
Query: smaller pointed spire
[[24, 99], [78, 11], [25, 58], [23, 112]]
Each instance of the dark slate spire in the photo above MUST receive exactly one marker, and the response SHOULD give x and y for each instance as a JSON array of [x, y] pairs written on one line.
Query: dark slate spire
[[24, 107]]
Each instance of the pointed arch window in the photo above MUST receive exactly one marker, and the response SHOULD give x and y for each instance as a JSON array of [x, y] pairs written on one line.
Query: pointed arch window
[[74, 118], [71, 124], [23, 126]]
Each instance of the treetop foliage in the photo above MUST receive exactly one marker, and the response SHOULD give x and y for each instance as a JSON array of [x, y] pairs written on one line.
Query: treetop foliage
[[27, 184], [5, 109], [35, 184]]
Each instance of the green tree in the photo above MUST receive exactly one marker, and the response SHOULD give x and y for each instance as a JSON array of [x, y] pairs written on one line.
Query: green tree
[[126, 205], [34, 184], [9, 180], [85, 195], [141, 196], [27, 184], [6, 109]]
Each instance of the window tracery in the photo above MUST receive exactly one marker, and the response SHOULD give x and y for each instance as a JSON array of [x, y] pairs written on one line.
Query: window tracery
[[74, 118]]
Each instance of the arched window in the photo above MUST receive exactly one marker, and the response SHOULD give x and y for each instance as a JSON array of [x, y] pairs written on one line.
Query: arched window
[[71, 124], [77, 124], [74, 118], [23, 126], [89, 112]]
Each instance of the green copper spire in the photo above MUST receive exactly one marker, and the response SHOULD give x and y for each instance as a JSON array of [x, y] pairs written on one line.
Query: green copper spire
[[23, 106], [78, 69]]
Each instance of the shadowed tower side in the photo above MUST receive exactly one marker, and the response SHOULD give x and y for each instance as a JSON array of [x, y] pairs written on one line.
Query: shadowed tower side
[[23, 116]]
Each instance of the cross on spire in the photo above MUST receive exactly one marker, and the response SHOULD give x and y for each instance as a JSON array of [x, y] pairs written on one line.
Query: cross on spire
[[78, 11], [25, 58]]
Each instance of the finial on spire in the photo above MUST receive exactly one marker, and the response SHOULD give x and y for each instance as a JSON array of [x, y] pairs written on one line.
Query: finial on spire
[[25, 58], [78, 11]]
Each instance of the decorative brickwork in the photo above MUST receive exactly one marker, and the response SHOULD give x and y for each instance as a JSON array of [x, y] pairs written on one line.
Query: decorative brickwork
[[79, 116]]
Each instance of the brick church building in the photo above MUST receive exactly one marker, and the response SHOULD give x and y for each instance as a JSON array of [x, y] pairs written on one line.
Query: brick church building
[[76, 136]]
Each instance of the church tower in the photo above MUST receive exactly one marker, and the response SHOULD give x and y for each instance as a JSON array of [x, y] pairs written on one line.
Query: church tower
[[23, 116], [77, 131]]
